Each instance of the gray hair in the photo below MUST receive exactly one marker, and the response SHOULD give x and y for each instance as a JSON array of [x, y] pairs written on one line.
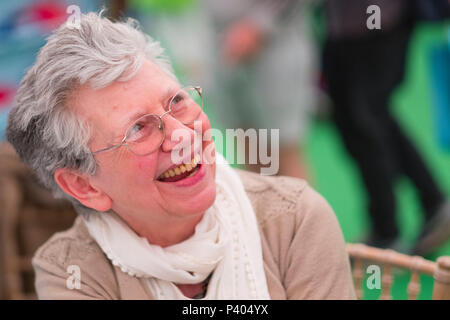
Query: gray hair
[[45, 132]]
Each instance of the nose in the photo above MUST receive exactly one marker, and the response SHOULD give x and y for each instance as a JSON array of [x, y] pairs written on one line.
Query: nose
[[177, 135]]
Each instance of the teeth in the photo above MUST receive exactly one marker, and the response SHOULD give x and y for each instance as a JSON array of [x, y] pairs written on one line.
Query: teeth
[[197, 159], [182, 168]]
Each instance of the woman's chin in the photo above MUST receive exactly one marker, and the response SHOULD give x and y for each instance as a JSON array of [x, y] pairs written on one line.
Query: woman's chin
[[196, 204]]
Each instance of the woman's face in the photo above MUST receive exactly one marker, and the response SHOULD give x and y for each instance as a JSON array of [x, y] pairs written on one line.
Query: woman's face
[[131, 181]]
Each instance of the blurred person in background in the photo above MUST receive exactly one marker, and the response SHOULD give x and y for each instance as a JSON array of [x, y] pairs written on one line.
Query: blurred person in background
[[264, 72], [183, 28], [363, 67]]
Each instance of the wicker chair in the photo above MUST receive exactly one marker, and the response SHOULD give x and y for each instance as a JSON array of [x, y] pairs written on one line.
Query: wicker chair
[[361, 255], [29, 215]]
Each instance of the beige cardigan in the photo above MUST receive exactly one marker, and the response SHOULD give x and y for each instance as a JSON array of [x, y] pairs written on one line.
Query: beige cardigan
[[303, 250]]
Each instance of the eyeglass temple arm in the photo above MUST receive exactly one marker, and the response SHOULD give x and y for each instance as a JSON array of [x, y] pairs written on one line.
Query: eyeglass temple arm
[[108, 148]]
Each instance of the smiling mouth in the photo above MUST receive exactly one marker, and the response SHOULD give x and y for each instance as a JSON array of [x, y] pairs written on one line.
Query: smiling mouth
[[182, 171]]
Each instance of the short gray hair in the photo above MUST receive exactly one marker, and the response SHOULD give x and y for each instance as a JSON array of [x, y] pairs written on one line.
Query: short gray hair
[[44, 131]]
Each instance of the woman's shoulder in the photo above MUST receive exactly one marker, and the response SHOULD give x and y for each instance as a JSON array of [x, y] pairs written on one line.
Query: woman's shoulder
[[62, 246], [289, 206], [69, 254], [288, 187], [280, 196], [301, 238]]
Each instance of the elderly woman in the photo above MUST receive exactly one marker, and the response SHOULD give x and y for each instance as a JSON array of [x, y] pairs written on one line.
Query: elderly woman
[[95, 118]]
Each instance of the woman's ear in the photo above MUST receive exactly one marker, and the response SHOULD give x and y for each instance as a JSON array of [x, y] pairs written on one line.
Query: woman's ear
[[79, 187]]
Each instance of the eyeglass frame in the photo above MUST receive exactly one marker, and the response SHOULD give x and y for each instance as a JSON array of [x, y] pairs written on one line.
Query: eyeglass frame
[[160, 125]]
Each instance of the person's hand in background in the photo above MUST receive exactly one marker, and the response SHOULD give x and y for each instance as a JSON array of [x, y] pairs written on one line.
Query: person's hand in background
[[243, 40]]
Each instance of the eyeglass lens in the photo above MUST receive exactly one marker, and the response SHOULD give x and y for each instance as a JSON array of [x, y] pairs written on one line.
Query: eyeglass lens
[[146, 134]]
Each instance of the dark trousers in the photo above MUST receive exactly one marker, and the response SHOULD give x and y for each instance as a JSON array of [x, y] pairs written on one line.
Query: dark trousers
[[362, 73]]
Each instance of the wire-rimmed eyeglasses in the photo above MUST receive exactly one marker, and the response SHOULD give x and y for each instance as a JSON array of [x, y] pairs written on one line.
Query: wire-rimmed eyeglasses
[[146, 134]]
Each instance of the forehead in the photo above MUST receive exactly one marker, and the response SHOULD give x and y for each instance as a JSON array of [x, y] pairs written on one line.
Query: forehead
[[106, 109]]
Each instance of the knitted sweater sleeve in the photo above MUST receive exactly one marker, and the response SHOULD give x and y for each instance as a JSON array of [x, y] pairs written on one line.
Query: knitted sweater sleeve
[[303, 245], [316, 264]]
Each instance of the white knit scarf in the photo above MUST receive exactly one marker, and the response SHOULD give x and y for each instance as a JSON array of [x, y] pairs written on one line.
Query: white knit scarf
[[226, 243]]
